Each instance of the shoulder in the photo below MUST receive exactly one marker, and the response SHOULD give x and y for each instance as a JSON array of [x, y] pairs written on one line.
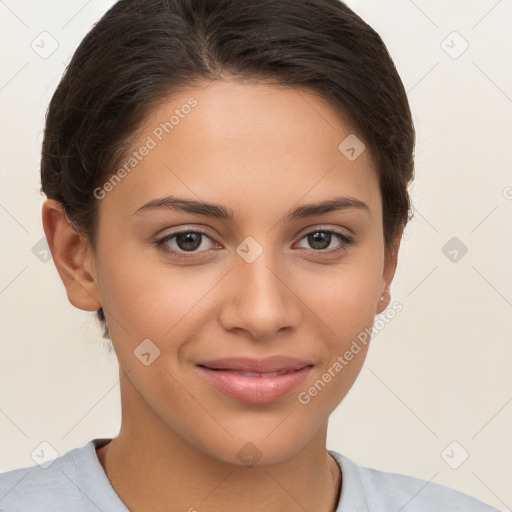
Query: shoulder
[[373, 490], [47, 487]]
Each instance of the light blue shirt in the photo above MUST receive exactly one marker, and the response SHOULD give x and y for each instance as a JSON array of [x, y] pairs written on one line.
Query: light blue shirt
[[76, 482]]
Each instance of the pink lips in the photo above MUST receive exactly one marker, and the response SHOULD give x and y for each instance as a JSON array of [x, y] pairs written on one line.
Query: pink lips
[[256, 381]]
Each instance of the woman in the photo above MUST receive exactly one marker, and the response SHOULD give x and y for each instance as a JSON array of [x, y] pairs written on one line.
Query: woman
[[227, 188]]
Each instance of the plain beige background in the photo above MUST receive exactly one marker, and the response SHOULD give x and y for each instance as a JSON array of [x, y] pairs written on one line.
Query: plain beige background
[[436, 385]]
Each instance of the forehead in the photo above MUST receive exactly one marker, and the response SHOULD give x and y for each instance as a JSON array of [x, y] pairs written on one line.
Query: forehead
[[246, 143]]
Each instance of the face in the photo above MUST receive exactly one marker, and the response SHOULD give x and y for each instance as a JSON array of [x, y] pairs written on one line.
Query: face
[[199, 300]]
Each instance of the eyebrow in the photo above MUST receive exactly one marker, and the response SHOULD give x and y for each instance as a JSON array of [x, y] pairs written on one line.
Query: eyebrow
[[220, 212]]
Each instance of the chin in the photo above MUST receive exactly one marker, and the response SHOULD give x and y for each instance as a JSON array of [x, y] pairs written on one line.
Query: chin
[[258, 448]]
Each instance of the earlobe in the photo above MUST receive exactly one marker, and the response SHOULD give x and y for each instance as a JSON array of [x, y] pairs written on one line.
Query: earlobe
[[384, 301], [71, 256]]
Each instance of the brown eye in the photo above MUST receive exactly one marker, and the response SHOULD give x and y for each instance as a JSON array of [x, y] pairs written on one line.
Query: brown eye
[[183, 242], [321, 240]]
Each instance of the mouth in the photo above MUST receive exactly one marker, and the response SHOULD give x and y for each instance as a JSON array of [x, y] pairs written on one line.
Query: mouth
[[255, 381]]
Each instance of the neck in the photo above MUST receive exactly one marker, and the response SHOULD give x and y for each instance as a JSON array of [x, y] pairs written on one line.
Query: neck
[[152, 468]]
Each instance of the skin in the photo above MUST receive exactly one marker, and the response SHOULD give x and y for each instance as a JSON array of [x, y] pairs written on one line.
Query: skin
[[259, 150]]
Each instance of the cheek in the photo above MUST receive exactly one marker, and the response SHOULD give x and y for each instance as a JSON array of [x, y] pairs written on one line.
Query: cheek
[[345, 306], [147, 299], [344, 298]]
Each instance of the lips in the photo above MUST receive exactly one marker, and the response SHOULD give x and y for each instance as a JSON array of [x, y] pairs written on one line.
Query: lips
[[256, 381]]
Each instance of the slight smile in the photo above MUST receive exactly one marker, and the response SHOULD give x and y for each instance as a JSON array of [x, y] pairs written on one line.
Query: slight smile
[[256, 381]]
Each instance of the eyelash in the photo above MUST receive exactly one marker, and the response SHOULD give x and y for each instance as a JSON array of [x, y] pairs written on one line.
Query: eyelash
[[345, 240]]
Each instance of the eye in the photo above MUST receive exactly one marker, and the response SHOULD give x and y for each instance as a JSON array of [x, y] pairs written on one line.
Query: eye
[[320, 240], [197, 241], [183, 242]]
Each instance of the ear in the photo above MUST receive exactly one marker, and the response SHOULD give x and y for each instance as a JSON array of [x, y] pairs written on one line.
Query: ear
[[391, 260], [72, 257]]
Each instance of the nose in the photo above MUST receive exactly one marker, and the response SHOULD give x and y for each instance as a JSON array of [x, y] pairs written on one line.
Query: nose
[[260, 298]]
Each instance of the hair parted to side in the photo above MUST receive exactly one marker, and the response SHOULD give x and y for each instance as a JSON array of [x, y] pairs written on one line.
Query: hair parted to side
[[142, 51]]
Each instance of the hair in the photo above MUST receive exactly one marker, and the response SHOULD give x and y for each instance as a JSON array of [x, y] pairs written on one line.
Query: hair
[[142, 51]]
